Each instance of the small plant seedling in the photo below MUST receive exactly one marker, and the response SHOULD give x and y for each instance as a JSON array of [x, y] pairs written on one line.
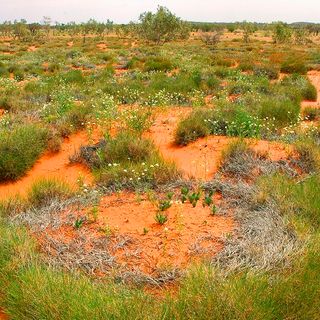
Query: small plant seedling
[[184, 194], [170, 195], [145, 231], [78, 223], [108, 231], [164, 205], [207, 201], [213, 210], [194, 198], [94, 213], [161, 218]]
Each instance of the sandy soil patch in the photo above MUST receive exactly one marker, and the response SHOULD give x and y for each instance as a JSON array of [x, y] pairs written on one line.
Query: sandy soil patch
[[188, 235], [201, 158], [32, 49], [52, 166]]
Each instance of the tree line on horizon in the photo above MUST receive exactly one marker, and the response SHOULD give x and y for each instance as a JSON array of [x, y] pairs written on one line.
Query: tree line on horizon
[[159, 27]]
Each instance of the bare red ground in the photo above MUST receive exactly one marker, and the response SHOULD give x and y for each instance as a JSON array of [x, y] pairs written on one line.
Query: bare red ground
[[3, 316], [52, 166], [32, 48], [102, 46], [188, 234], [201, 158]]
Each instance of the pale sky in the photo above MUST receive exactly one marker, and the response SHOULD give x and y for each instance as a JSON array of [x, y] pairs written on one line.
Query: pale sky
[[122, 11]]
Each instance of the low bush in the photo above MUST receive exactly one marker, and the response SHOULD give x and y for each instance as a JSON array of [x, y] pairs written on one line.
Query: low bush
[[294, 64], [46, 190], [310, 113], [306, 156], [281, 111], [236, 160], [192, 128], [128, 161], [19, 149], [266, 71], [158, 64]]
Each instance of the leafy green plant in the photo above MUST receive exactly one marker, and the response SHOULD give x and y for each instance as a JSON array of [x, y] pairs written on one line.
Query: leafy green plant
[[45, 190], [194, 198], [16, 154], [184, 194], [207, 201], [213, 210], [161, 218], [78, 223]]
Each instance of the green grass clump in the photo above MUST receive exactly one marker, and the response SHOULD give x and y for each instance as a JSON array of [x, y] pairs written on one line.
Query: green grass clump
[[128, 161], [158, 64], [282, 112], [192, 128], [237, 159], [19, 150], [266, 71], [294, 64], [226, 119], [309, 92], [310, 113], [300, 202], [45, 190], [308, 156]]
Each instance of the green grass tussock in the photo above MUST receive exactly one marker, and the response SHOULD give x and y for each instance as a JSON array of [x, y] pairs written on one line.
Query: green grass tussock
[[19, 150]]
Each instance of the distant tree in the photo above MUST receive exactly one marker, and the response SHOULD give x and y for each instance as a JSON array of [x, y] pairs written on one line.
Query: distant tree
[[34, 28], [231, 27], [281, 32], [248, 30], [162, 26], [87, 28], [47, 24], [20, 30]]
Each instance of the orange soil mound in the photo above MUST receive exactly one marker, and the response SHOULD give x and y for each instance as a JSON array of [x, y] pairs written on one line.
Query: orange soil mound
[[102, 46], [201, 158], [188, 234], [52, 166], [314, 77], [32, 48], [3, 316]]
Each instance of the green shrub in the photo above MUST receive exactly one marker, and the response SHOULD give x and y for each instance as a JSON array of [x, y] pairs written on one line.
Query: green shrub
[[19, 149], [309, 92], [294, 64], [158, 64], [308, 156], [282, 112], [310, 113], [192, 128], [45, 190], [128, 161], [4, 72], [236, 160], [266, 71], [73, 76]]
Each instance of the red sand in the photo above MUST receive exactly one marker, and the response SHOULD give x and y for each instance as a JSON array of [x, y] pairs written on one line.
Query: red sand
[[201, 158], [52, 166], [189, 233]]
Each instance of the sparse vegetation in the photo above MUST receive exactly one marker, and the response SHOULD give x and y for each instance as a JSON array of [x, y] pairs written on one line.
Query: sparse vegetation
[[112, 109]]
